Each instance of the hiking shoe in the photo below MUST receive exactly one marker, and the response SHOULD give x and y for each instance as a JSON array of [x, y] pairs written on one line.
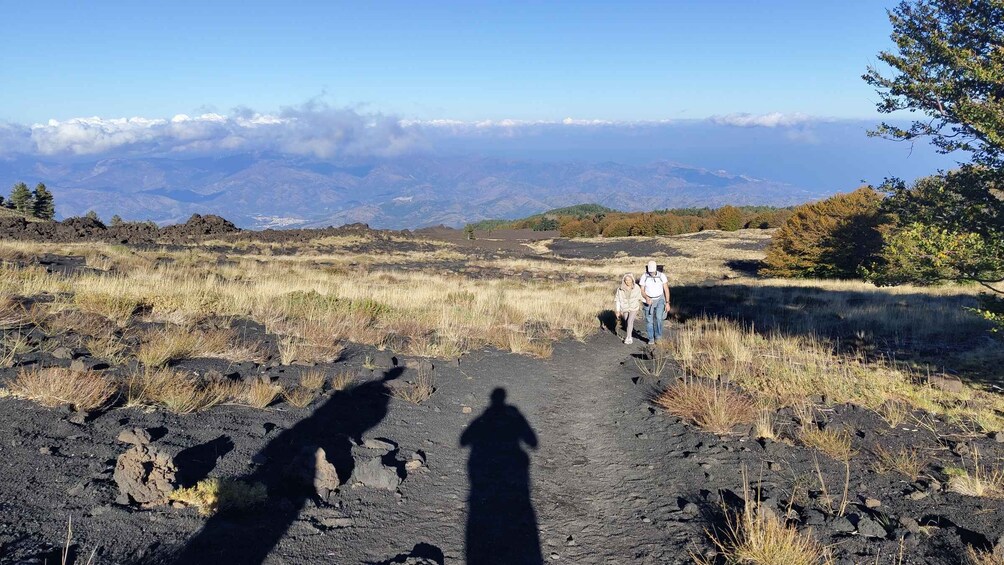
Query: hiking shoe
[[628, 340]]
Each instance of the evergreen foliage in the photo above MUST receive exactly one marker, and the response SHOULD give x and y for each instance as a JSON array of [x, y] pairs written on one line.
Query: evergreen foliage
[[43, 205], [21, 200]]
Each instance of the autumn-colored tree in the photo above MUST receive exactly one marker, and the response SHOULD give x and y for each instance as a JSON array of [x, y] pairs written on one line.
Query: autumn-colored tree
[[728, 218], [580, 228], [768, 220], [834, 238]]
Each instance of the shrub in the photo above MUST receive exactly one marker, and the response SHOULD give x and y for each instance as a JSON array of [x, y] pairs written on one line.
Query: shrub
[[221, 495], [834, 238], [83, 390]]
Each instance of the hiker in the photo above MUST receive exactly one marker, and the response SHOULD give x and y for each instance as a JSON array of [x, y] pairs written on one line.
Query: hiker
[[627, 304], [655, 293]]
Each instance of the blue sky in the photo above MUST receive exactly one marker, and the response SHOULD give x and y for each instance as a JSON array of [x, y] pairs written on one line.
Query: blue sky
[[431, 60]]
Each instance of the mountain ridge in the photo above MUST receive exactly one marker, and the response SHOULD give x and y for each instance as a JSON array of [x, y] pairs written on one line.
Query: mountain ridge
[[273, 190]]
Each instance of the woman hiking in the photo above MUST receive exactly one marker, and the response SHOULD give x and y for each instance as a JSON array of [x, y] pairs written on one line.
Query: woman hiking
[[627, 304]]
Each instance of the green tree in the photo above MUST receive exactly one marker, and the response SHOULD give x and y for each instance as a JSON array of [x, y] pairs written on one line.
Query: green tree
[[116, 220], [92, 215], [469, 231], [834, 238], [21, 200], [948, 65], [44, 203], [728, 218]]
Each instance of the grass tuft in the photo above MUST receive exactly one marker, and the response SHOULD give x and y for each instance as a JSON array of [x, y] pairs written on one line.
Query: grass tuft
[[299, 396], [260, 393], [83, 390], [417, 391], [905, 461], [343, 380], [707, 404], [751, 537], [836, 444], [176, 392], [981, 481]]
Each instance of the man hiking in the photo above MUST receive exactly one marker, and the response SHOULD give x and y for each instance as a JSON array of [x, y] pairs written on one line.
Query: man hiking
[[655, 293]]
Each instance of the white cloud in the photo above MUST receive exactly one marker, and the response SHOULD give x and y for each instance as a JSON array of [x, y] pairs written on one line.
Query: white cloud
[[771, 120], [312, 129]]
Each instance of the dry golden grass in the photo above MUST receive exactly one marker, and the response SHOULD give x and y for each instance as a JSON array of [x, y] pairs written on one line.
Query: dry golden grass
[[707, 404], [417, 391], [327, 295], [260, 393], [835, 444], [977, 557], [177, 392], [221, 495], [13, 314], [980, 481], [108, 347], [51, 387], [299, 396], [655, 360], [313, 380], [764, 425], [12, 344], [116, 307], [906, 461], [752, 537], [343, 380], [791, 368], [168, 344]]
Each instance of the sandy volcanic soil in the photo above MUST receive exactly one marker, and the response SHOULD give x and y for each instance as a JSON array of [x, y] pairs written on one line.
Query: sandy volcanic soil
[[611, 479]]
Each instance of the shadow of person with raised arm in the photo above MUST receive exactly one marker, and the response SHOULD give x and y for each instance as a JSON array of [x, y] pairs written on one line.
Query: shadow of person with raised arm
[[248, 537], [501, 523]]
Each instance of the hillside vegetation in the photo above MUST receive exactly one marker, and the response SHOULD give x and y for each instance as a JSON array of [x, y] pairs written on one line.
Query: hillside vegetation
[[592, 220]]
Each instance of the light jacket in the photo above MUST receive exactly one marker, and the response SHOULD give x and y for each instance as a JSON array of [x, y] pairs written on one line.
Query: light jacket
[[627, 300]]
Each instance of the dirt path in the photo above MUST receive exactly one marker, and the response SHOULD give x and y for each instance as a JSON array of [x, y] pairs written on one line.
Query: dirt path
[[601, 493]]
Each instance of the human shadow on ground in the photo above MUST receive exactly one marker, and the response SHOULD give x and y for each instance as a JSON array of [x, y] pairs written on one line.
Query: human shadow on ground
[[195, 463], [249, 537], [501, 522]]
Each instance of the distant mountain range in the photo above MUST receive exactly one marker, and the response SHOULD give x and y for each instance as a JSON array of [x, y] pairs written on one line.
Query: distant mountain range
[[269, 190]]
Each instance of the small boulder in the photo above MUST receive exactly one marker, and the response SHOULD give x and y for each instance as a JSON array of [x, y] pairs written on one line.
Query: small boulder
[[310, 468], [870, 528], [373, 473], [145, 475], [62, 352]]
